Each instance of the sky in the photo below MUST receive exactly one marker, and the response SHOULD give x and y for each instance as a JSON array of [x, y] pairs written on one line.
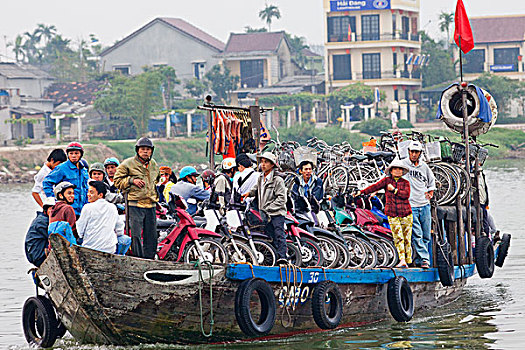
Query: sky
[[111, 20]]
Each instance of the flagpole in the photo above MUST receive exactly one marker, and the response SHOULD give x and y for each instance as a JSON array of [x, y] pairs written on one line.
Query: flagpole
[[460, 61]]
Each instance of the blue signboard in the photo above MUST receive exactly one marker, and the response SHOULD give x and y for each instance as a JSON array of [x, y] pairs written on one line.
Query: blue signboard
[[503, 68], [359, 5]]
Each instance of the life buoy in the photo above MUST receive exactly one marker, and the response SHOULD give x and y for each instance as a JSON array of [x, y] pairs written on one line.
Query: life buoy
[[39, 322], [400, 299], [243, 314], [445, 265], [484, 257], [503, 249], [327, 305]]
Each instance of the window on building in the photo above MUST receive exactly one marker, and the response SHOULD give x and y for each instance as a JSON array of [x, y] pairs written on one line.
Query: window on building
[[252, 73], [508, 56], [394, 62], [405, 73], [396, 95], [342, 67], [122, 70], [371, 66], [405, 25], [414, 36], [338, 28], [199, 69], [474, 61], [370, 27], [394, 26]]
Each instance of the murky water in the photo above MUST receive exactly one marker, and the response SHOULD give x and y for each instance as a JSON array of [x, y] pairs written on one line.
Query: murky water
[[489, 314]]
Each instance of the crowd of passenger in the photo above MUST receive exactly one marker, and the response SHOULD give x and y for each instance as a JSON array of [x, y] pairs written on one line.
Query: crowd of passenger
[[85, 203]]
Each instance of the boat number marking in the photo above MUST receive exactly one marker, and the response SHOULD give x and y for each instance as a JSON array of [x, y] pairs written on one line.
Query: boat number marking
[[293, 296], [314, 277]]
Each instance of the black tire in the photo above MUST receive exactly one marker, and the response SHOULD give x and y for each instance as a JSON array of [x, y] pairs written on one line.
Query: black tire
[[330, 252], [371, 255], [400, 299], [293, 254], [484, 257], [245, 254], [445, 265], [344, 256], [503, 249], [266, 253], [61, 329], [357, 250], [382, 255], [243, 314], [39, 322], [214, 252], [391, 250], [327, 305], [311, 253]]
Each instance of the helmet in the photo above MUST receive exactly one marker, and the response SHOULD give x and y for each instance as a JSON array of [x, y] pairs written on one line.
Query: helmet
[[228, 163], [97, 167], [208, 175], [144, 142], [61, 187], [75, 146], [415, 146], [111, 161], [187, 171]]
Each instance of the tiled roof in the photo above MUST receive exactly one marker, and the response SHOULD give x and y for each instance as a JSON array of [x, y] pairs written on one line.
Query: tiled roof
[[83, 93], [498, 29], [309, 53], [178, 24], [16, 70], [253, 42]]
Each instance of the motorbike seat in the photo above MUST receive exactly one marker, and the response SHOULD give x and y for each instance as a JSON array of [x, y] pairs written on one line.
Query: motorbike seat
[[163, 224], [358, 157]]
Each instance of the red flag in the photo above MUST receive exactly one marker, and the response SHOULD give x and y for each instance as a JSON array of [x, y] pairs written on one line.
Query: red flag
[[349, 32], [463, 29]]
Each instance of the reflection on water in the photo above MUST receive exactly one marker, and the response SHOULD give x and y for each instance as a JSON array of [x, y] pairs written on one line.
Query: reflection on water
[[488, 315]]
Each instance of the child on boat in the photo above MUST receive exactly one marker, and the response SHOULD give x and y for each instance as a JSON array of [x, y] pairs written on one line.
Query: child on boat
[[397, 208]]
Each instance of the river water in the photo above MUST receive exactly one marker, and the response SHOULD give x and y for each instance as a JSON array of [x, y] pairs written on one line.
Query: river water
[[488, 315]]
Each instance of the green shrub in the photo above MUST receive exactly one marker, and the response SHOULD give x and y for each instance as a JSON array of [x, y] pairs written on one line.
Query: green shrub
[[373, 126], [331, 135], [404, 124]]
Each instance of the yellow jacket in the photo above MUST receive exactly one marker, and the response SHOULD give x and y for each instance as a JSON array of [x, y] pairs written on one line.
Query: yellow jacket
[[131, 169]]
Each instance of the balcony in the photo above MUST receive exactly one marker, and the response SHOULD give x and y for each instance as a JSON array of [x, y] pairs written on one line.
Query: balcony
[[339, 38], [383, 75]]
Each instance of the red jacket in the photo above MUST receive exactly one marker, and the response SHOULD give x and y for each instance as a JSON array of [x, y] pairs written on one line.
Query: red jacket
[[397, 204], [62, 211]]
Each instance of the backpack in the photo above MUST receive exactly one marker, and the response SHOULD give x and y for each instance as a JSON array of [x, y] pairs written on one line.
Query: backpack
[[62, 228]]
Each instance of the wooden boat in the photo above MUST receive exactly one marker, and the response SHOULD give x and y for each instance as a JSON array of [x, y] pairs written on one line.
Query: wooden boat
[[110, 299]]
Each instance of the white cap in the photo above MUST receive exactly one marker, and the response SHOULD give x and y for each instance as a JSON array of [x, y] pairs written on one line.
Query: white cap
[[228, 163], [415, 146]]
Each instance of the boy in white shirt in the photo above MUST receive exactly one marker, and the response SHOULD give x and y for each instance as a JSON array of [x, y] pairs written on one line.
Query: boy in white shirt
[[56, 157], [99, 224]]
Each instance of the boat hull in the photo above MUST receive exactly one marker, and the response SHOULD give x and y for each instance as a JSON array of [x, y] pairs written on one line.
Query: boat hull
[[109, 299]]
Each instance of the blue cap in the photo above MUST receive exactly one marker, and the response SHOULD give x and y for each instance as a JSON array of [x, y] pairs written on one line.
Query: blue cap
[[187, 171]]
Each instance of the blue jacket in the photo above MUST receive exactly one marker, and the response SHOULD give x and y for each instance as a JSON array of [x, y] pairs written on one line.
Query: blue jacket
[[68, 171], [189, 191], [36, 239]]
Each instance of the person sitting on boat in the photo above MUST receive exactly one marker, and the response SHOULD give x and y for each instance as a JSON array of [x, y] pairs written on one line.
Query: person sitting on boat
[[97, 172], [55, 158], [245, 178], [36, 241], [308, 183], [271, 195], [99, 226], [187, 188], [422, 184], [166, 182], [221, 191], [110, 165], [137, 177], [73, 171], [62, 211], [397, 208]]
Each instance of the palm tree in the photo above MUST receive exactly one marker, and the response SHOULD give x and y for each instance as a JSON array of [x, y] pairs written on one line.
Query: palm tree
[[18, 48], [268, 13], [46, 32], [445, 20]]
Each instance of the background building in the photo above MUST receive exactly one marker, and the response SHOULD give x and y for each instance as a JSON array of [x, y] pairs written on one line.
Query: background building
[[371, 41]]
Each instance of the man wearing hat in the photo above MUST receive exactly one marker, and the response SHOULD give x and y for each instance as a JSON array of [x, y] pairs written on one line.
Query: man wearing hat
[[422, 184], [245, 178], [397, 208], [271, 194], [187, 188]]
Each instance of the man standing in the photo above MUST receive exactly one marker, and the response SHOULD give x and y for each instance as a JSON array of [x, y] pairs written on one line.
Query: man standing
[[187, 188], [137, 177], [55, 158], [271, 194], [308, 184], [72, 171], [99, 224], [111, 164], [422, 186], [393, 119], [221, 193]]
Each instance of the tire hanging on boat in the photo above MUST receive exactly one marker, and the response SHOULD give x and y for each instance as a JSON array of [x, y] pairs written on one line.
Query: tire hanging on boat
[[484, 257], [39, 322], [400, 299], [445, 265], [503, 249], [327, 294], [243, 314]]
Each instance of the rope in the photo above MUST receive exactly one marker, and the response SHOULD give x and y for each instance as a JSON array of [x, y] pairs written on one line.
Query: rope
[[201, 281]]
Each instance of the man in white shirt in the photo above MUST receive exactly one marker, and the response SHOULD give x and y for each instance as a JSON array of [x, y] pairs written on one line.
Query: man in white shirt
[[56, 157], [393, 119], [245, 178], [99, 223]]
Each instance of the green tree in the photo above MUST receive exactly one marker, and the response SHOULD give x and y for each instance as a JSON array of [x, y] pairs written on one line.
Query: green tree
[[268, 14], [196, 87], [445, 20], [297, 44], [440, 67], [18, 48], [46, 32], [358, 93], [502, 89], [221, 81], [373, 126]]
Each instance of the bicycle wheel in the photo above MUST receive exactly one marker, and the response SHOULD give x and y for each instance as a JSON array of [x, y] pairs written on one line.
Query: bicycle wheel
[[336, 181], [330, 252], [243, 253], [456, 180], [444, 183], [358, 251]]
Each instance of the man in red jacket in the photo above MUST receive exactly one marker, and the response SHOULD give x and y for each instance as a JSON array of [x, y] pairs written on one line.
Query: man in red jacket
[[62, 210]]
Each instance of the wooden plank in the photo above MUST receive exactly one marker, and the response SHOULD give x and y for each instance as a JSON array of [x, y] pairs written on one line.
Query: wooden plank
[[452, 239], [462, 255]]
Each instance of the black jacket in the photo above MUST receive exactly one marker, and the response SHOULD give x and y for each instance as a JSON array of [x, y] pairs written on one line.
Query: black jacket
[[36, 239]]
